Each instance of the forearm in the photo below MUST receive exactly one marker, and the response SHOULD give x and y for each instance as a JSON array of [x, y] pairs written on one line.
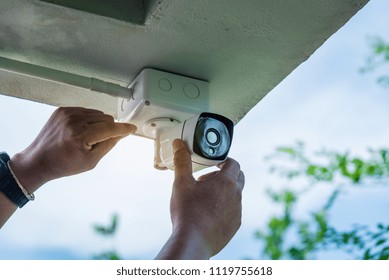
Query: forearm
[[185, 245], [7, 208]]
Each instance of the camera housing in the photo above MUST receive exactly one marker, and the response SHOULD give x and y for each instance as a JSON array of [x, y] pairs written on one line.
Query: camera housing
[[207, 135], [165, 106]]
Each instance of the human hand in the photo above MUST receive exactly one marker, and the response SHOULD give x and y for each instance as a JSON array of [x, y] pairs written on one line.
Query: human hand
[[205, 213], [73, 140]]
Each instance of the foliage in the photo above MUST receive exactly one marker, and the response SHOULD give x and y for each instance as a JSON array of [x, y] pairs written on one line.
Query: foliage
[[332, 165], [108, 232], [378, 59], [315, 233]]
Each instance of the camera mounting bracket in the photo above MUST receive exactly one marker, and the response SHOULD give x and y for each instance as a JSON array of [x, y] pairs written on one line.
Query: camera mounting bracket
[[160, 101], [155, 127], [165, 96]]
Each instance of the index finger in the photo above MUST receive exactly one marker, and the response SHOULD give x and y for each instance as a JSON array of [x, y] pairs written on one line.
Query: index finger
[[231, 167]]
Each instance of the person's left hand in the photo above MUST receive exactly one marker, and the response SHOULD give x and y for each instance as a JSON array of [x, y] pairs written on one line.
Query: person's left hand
[[205, 213]]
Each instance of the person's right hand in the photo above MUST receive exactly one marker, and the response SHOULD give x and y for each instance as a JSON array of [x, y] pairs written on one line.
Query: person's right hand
[[205, 213], [73, 140]]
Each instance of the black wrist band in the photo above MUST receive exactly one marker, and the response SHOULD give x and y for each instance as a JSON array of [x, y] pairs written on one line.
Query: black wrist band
[[8, 184]]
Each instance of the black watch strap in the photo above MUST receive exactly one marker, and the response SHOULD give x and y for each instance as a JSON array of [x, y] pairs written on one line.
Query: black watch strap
[[8, 184]]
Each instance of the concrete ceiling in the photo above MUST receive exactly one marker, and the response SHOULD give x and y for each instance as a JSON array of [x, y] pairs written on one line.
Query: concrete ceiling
[[244, 48]]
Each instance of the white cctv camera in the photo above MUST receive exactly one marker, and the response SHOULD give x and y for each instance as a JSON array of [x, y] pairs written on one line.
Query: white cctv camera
[[166, 106], [208, 137]]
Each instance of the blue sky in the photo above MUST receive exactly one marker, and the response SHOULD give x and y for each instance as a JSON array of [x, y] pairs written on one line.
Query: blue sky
[[325, 102]]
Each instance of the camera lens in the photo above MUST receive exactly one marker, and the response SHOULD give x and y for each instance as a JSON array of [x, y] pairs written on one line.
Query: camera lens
[[212, 138]]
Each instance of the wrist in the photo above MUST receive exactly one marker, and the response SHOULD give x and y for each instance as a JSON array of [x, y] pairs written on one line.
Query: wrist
[[195, 241], [10, 187], [29, 171], [186, 243]]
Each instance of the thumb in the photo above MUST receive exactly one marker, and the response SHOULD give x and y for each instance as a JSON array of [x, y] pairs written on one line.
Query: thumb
[[102, 148], [182, 159]]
